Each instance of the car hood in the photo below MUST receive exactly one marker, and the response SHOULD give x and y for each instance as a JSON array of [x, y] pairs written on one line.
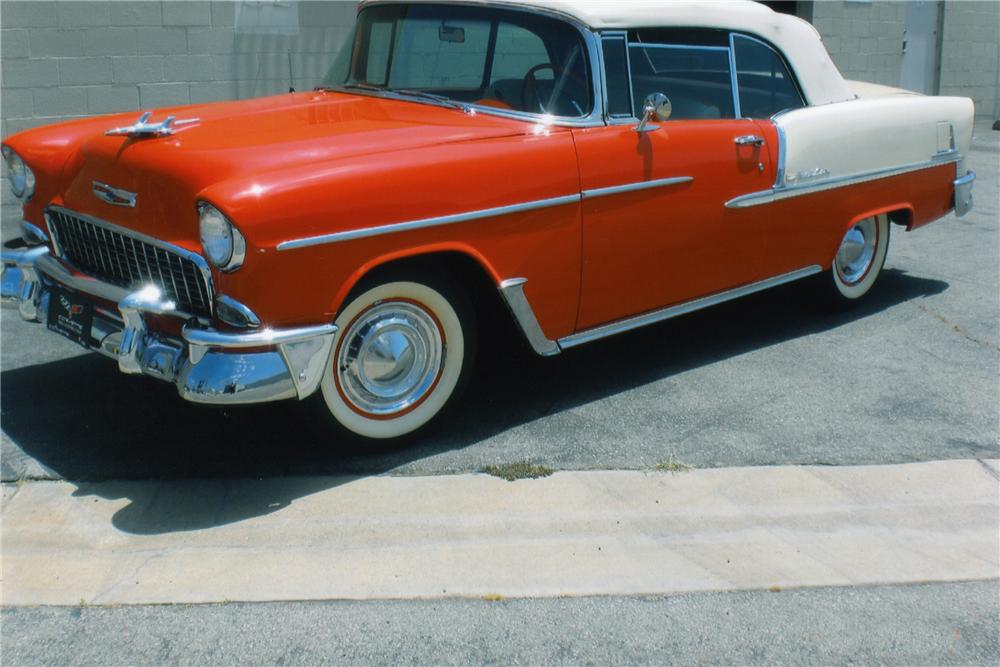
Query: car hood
[[249, 138], [220, 141]]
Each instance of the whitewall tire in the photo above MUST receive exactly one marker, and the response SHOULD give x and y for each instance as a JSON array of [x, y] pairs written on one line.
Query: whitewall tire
[[860, 258], [401, 354]]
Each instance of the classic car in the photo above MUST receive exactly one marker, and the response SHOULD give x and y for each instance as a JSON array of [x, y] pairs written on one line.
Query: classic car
[[593, 166]]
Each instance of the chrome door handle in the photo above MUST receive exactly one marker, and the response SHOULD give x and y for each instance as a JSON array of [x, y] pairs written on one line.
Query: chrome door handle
[[749, 140]]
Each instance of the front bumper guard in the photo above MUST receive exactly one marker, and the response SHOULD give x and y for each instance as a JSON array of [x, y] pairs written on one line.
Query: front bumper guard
[[207, 366]]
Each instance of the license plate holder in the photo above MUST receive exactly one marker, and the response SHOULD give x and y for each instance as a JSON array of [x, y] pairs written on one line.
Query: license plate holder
[[71, 315]]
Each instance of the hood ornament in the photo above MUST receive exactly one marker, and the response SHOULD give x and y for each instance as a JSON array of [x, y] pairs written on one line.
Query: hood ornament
[[143, 128]]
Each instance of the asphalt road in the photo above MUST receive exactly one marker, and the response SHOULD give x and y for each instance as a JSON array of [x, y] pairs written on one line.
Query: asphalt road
[[942, 624], [911, 374]]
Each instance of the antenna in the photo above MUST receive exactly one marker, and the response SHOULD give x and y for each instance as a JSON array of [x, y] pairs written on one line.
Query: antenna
[[291, 77]]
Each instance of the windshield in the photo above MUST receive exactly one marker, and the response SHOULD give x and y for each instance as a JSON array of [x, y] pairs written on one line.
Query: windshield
[[512, 60]]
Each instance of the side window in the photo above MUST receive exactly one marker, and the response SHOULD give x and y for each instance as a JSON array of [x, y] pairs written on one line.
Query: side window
[[616, 77], [696, 78], [765, 84]]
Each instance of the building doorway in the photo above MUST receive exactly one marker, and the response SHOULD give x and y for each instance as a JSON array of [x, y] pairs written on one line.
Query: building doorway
[[921, 47]]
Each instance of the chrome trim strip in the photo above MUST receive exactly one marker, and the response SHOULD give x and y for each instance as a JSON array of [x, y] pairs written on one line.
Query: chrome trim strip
[[199, 261], [631, 323], [512, 290], [350, 235], [633, 187], [787, 192], [779, 177], [733, 81], [265, 337]]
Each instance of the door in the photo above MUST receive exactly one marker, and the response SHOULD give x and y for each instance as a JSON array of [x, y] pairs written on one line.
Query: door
[[656, 230], [644, 249], [919, 68]]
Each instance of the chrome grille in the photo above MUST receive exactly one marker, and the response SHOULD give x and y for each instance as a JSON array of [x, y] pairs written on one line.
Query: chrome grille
[[101, 251]]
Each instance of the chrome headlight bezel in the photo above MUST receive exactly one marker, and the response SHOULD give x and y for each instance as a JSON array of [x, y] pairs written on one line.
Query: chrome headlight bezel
[[19, 174], [222, 243]]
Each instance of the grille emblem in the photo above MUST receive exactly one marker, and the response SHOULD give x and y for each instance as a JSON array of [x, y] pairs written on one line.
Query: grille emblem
[[115, 196]]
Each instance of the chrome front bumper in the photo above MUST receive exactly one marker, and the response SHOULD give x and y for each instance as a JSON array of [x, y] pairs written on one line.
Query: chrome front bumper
[[963, 193], [206, 365]]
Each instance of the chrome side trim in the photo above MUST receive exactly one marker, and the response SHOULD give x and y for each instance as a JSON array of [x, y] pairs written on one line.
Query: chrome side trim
[[798, 190], [513, 294], [336, 237], [631, 323], [633, 187]]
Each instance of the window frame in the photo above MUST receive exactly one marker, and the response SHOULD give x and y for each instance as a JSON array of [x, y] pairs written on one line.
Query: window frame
[[593, 63], [615, 35], [781, 58], [730, 48]]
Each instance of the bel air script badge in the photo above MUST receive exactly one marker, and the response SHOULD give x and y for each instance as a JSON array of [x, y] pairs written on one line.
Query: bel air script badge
[[112, 195]]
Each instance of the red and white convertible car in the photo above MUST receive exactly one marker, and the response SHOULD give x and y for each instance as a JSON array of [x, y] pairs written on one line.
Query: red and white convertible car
[[594, 166]]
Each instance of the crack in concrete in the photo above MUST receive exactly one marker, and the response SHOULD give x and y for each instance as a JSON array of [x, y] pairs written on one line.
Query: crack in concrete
[[958, 329], [993, 473]]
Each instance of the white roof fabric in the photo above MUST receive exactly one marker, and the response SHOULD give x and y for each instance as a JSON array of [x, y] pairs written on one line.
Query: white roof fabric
[[800, 43]]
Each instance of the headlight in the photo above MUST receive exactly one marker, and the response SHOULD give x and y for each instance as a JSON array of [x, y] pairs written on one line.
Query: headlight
[[22, 179], [222, 242]]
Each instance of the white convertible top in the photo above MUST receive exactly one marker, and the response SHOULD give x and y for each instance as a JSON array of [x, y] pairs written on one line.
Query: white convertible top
[[800, 43]]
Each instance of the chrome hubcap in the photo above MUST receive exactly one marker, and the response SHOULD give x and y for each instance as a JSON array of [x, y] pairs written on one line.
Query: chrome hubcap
[[390, 358], [857, 251]]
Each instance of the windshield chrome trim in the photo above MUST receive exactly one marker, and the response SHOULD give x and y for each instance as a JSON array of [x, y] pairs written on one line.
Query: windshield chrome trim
[[437, 221]]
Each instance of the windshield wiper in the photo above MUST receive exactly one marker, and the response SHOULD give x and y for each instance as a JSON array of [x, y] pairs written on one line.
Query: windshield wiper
[[401, 92], [440, 99], [354, 86]]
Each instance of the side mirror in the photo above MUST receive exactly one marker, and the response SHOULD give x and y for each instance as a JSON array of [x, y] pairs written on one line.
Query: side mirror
[[657, 106]]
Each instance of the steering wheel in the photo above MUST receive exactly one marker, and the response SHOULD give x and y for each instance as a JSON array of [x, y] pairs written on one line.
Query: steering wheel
[[530, 83]]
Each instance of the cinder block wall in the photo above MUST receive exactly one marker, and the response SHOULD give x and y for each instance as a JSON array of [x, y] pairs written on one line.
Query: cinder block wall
[[864, 39], [970, 57], [63, 60]]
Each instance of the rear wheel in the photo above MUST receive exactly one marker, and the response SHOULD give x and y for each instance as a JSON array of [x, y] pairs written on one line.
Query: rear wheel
[[403, 352], [859, 259]]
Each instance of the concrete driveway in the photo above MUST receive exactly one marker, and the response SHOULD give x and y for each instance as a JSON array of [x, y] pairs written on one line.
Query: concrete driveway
[[910, 375]]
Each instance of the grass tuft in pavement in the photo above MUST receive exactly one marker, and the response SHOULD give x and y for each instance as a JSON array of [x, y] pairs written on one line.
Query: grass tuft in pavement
[[673, 465], [518, 470]]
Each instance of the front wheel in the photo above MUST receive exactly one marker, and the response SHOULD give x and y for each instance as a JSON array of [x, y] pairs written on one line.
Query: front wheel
[[859, 259], [403, 351]]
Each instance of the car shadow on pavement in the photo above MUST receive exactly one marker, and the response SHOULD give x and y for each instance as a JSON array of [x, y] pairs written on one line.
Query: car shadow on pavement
[[81, 420]]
